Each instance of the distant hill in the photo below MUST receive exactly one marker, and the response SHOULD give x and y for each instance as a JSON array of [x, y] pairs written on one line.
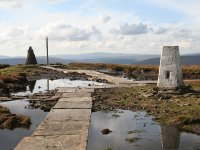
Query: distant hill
[[108, 60], [112, 58], [185, 60], [4, 57], [107, 56], [40, 60]]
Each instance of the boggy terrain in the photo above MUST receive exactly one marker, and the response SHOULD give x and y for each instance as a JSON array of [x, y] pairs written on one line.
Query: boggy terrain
[[180, 108], [16, 78], [136, 72]]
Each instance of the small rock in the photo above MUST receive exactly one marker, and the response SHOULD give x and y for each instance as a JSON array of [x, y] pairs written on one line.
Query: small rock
[[106, 131]]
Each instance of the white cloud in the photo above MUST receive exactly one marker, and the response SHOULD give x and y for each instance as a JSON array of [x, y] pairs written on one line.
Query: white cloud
[[161, 30], [56, 1], [61, 31], [105, 18], [75, 31], [132, 29], [11, 4]]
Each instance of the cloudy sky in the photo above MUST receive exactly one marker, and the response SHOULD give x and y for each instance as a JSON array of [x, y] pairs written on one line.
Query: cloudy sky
[[87, 26]]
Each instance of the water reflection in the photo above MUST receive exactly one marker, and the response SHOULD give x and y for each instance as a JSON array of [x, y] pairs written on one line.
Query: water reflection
[[44, 85], [152, 135], [47, 84], [10, 138], [170, 137], [31, 85]]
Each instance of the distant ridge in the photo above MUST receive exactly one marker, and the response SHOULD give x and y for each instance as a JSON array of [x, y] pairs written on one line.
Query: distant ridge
[[106, 56], [4, 57], [111, 58], [185, 60]]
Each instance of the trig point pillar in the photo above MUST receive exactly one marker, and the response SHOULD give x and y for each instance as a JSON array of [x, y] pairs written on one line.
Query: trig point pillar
[[170, 71]]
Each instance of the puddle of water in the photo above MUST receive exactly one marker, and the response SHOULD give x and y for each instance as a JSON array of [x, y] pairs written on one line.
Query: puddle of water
[[46, 84], [10, 138], [152, 135]]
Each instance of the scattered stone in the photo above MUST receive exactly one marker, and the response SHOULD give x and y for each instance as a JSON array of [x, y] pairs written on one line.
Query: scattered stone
[[106, 131], [147, 95], [115, 115]]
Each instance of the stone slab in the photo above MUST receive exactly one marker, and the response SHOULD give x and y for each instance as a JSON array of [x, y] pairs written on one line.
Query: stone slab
[[58, 142], [75, 99], [3, 99], [66, 90], [73, 105], [61, 128], [84, 90], [64, 115], [80, 94]]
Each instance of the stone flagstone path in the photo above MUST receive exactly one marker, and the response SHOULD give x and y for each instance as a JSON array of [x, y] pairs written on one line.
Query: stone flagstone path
[[66, 125]]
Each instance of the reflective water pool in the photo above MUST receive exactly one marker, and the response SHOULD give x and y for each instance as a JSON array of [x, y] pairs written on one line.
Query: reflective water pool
[[148, 135], [10, 138], [46, 84]]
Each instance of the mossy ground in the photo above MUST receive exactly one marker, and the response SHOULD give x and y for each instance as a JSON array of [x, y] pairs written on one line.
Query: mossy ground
[[28, 70], [181, 110]]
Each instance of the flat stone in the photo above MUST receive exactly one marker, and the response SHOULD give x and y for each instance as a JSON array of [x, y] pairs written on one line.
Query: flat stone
[[73, 105], [64, 115], [57, 142], [84, 90], [66, 90], [80, 94], [5, 99], [75, 99], [61, 128], [147, 95], [18, 97]]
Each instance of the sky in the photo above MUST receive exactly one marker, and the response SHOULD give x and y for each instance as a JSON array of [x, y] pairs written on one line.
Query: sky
[[90, 26]]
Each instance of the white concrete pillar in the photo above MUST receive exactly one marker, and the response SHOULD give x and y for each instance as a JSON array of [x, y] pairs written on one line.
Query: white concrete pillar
[[170, 71]]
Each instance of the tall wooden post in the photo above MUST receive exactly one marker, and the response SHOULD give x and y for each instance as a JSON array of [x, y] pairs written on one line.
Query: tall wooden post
[[47, 51]]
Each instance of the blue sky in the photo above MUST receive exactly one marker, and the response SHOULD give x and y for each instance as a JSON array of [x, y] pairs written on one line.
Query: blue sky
[[88, 26]]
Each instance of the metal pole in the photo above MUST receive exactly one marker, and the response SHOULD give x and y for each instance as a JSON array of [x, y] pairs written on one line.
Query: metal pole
[[47, 51]]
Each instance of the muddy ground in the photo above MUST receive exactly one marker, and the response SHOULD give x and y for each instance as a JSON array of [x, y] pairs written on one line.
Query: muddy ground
[[178, 108]]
